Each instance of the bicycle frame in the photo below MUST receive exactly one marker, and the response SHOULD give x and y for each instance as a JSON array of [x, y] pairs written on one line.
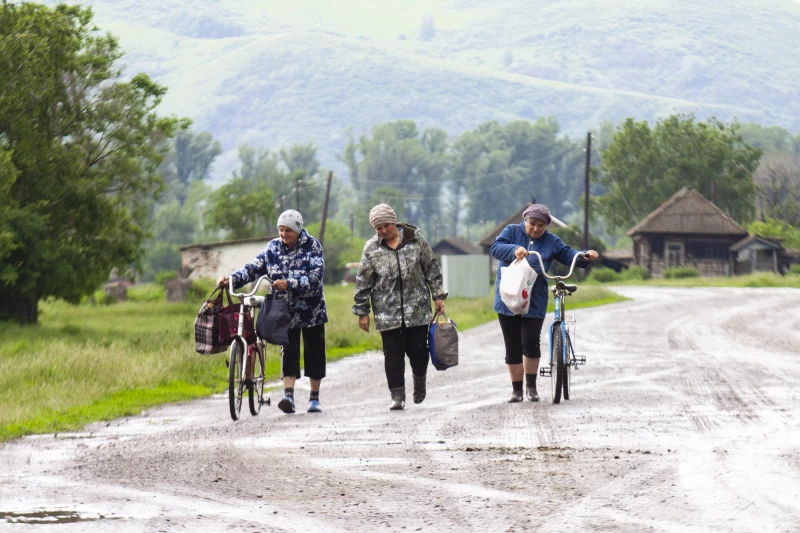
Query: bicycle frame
[[561, 322], [242, 298]]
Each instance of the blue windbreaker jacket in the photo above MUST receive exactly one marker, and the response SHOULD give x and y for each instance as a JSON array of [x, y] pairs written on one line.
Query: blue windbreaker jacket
[[550, 246]]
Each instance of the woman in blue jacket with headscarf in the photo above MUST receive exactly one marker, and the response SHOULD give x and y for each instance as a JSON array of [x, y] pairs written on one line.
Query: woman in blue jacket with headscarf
[[522, 333]]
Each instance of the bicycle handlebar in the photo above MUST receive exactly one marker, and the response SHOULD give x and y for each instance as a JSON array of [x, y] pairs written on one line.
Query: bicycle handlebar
[[579, 255], [243, 295]]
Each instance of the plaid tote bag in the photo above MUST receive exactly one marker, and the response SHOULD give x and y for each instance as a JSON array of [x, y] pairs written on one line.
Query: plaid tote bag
[[206, 326]]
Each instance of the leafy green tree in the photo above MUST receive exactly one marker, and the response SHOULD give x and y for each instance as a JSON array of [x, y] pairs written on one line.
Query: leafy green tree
[[243, 209], [644, 166], [397, 156], [340, 248], [778, 179], [85, 148], [504, 166], [777, 229], [190, 158]]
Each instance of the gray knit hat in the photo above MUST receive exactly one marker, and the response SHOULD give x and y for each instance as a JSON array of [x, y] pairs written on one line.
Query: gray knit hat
[[539, 211], [292, 220], [382, 214]]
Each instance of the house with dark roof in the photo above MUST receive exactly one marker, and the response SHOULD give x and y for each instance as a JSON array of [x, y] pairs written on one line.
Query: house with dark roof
[[755, 253], [686, 230], [456, 246]]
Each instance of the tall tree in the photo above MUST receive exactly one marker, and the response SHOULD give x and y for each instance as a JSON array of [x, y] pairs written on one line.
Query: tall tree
[[244, 209], [778, 180], [190, 158], [644, 166], [85, 147]]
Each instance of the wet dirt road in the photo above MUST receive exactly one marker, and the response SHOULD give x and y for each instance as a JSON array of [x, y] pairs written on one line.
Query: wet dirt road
[[686, 418]]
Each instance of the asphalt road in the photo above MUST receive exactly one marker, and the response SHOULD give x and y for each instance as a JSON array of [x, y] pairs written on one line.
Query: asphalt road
[[685, 418]]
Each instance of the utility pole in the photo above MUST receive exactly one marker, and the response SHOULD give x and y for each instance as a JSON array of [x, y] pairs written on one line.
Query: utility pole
[[297, 194], [352, 223], [586, 192], [325, 209]]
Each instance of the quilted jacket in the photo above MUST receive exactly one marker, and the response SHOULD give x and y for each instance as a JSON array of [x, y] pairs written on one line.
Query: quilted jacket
[[303, 266]]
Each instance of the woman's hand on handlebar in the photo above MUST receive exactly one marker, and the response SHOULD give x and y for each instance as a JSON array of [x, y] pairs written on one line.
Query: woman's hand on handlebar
[[520, 253], [223, 281], [280, 284], [590, 255]]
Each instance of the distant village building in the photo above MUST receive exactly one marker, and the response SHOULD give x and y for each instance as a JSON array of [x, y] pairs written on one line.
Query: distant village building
[[757, 254], [456, 246], [688, 230], [215, 259]]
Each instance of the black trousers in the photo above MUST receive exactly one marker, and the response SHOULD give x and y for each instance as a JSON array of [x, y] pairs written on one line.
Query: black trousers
[[313, 353], [397, 343], [522, 336]]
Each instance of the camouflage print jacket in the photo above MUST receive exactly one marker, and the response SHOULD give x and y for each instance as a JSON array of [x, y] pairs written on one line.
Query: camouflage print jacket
[[398, 283]]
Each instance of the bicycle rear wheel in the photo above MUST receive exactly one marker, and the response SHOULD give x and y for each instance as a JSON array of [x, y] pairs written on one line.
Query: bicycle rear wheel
[[255, 387], [557, 365], [235, 384]]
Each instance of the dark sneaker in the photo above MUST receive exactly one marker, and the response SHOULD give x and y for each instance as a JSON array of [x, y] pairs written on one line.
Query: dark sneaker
[[516, 396], [314, 406], [286, 404], [532, 394]]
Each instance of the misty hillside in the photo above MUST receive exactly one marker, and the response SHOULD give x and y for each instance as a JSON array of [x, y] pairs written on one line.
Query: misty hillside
[[274, 73]]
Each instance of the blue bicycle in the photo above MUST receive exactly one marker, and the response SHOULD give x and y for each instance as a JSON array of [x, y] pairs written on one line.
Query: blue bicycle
[[561, 334]]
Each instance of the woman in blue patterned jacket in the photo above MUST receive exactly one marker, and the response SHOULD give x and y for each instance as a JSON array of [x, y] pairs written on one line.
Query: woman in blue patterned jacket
[[295, 263], [522, 333]]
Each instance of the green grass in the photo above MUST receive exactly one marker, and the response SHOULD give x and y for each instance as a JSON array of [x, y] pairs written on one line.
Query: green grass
[[90, 363], [749, 280]]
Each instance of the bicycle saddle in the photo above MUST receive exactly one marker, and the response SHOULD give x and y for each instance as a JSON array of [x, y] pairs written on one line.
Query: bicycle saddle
[[568, 287]]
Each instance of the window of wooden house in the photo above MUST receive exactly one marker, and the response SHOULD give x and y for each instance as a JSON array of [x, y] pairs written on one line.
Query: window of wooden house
[[657, 246], [674, 254], [707, 250]]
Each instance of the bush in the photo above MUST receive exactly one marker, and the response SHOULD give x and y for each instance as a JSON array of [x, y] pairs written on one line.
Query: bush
[[681, 272], [603, 275], [164, 275], [146, 292], [636, 272], [794, 269]]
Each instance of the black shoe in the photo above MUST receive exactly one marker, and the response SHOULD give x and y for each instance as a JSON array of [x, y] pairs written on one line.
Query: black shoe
[[532, 394], [516, 396]]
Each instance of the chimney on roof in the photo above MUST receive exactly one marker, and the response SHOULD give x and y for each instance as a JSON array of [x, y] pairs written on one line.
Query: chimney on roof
[[533, 199], [713, 192]]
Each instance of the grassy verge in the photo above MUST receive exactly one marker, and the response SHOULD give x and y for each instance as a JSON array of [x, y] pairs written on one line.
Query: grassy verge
[[90, 363], [748, 280]]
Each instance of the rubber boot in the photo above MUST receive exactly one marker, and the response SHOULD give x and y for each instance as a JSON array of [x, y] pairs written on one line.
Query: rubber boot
[[398, 399], [419, 388]]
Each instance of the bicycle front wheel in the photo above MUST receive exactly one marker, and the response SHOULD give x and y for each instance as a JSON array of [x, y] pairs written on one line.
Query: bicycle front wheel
[[568, 369], [255, 386], [235, 384], [557, 366]]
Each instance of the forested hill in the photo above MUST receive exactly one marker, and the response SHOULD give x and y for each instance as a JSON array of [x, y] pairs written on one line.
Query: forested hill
[[274, 73]]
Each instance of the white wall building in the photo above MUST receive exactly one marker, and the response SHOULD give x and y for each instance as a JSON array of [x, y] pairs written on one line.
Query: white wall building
[[216, 259]]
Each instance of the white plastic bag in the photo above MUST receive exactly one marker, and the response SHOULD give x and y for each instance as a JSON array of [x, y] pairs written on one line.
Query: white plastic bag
[[516, 285]]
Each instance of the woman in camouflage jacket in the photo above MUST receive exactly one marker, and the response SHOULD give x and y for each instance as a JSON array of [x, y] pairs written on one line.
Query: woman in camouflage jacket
[[397, 275]]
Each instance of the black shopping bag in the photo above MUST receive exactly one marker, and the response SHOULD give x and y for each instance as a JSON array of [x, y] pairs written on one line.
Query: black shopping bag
[[273, 320], [443, 342]]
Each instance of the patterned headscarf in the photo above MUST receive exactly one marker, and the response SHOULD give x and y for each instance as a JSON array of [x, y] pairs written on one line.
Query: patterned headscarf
[[382, 214]]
